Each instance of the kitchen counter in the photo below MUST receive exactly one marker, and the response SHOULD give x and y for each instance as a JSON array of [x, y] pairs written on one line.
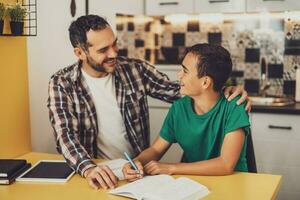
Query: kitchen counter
[[290, 110]]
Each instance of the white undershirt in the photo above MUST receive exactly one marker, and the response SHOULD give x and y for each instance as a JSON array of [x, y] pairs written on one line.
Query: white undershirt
[[112, 138]]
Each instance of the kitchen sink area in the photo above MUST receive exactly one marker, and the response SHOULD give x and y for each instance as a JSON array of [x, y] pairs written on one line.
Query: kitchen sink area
[[271, 101]]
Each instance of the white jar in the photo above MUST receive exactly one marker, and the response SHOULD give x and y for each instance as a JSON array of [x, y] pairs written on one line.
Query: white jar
[[297, 85]]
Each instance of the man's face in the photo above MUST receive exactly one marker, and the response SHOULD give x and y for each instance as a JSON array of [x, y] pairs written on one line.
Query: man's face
[[102, 50], [190, 83]]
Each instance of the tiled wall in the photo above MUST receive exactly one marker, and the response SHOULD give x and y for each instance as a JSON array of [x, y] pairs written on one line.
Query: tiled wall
[[258, 44]]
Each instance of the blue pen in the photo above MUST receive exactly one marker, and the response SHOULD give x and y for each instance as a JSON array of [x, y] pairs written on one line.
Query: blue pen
[[132, 163]]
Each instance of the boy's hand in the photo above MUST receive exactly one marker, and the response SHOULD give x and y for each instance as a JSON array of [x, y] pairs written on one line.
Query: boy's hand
[[154, 168], [232, 91], [131, 174]]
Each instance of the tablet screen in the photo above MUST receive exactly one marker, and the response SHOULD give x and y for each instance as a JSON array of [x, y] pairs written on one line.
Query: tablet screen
[[57, 171]]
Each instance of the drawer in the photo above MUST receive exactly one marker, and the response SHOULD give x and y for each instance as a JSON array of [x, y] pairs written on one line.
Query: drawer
[[220, 6], [278, 152], [165, 7], [275, 126]]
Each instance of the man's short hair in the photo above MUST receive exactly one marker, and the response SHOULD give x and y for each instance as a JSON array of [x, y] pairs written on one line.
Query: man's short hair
[[79, 28], [213, 61]]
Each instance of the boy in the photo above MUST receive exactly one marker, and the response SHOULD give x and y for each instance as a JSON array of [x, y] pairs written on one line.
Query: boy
[[211, 130]]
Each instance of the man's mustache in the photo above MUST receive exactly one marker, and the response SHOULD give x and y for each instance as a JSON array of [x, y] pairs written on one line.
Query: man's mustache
[[110, 59]]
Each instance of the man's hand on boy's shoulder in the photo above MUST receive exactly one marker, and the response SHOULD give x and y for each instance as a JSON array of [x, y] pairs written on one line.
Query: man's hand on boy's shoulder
[[232, 91]]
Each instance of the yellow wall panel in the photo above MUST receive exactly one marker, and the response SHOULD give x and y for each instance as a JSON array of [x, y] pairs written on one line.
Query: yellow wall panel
[[14, 101]]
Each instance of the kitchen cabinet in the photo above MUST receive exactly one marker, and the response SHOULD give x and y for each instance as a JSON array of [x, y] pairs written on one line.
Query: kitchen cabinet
[[165, 7], [219, 6], [272, 5], [276, 140], [110, 9]]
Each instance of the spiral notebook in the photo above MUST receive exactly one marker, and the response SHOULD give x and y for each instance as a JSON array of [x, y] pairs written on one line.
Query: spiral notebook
[[55, 171]]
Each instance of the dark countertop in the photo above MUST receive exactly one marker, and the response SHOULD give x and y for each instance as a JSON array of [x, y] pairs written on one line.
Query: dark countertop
[[289, 110]]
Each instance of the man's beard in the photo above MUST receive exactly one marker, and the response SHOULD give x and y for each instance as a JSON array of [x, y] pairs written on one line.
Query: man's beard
[[94, 65]]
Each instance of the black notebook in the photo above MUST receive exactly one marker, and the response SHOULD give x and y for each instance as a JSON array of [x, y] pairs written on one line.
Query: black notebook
[[9, 166], [11, 178], [56, 171]]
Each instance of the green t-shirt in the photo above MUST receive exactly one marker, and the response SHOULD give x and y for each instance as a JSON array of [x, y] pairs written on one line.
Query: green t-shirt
[[201, 136]]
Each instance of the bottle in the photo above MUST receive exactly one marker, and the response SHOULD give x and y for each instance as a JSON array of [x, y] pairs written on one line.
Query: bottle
[[297, 92]]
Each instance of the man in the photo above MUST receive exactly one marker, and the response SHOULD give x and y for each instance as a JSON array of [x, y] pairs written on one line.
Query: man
[[98, 106], [211, 130]]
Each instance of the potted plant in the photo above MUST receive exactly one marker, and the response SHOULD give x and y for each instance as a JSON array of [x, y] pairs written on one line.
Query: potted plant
[[2, 14], [16, 13]]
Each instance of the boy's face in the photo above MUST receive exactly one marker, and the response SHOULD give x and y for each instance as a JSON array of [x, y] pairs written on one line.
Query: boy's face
[[190, 83]]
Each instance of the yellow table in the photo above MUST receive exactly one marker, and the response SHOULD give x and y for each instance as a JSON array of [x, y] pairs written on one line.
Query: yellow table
[[238, 186]]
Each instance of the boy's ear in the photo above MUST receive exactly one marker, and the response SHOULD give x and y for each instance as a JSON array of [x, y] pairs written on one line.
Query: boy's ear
[[207, 82], [80, 53]]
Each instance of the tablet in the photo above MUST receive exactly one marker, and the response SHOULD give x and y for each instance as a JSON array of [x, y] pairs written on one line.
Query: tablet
[[56, 171]]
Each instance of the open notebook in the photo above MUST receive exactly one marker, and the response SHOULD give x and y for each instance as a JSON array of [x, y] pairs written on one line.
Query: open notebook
[[162, 187]]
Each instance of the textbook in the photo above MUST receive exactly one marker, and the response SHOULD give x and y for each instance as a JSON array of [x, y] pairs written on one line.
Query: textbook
[[55, 171], [11, 178], [162, 187], [9, 166]]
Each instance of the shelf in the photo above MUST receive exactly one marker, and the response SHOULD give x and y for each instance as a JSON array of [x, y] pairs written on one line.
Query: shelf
[[11, 35], [30, 21]]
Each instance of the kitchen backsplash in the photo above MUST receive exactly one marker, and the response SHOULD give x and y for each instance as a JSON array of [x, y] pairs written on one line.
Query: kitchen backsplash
[[258, 44]]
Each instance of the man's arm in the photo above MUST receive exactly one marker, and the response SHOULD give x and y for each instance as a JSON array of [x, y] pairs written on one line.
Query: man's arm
[[65, 123], [65, 126], [222, 165], [158, 84]]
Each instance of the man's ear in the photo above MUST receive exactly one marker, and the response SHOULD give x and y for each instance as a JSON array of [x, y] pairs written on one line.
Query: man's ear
[[80, 53]]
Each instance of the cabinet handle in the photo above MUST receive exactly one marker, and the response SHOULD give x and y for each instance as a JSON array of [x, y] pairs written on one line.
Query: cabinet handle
[[280, 127], [218, 1], [168, 3], [273, 0]]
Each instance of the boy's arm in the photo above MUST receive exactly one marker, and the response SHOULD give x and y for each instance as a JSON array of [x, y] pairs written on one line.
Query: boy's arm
[[155, 151], [222, 165]]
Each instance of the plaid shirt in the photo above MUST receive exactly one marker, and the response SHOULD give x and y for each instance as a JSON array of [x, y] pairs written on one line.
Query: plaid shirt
[[73, 114]]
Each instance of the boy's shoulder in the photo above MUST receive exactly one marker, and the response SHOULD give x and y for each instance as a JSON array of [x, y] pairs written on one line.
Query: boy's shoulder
[[232, 106]]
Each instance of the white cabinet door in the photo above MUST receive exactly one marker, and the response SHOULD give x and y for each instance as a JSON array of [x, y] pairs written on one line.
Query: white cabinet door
[[272, 5], [276, 140], [110, 8], [220, 6], [165, 7], [157, 116]]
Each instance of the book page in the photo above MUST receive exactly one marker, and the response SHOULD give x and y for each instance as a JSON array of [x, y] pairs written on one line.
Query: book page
[[180, 189], [137, 189], [116, 166]]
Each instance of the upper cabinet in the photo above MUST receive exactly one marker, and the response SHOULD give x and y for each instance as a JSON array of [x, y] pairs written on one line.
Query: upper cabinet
[[220, 6], [112, 7], [165, 7], [272, 5]]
